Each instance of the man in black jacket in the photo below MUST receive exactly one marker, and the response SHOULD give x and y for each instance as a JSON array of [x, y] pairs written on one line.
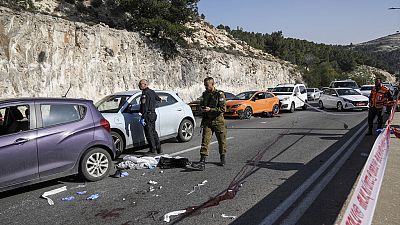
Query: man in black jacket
[[148, 103]]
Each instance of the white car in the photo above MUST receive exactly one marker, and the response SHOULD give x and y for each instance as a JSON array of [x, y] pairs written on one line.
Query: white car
[[343, 98], [174, 118], [366, 89], [345, 84], [313, 93], [291, 96]]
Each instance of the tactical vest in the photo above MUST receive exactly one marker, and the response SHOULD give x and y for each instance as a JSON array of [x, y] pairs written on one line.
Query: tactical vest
[[378, 97]]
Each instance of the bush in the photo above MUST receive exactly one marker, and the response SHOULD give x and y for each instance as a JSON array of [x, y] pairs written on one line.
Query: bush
[[17, 4]]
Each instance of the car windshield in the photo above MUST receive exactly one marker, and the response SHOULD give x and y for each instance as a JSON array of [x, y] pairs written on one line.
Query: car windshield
[[348, 84], [366, 88], [347, 92], [245, 95], [111, 103], [283, 89]]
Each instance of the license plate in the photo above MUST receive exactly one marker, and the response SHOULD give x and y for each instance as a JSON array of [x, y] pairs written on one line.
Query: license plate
[[361, 104]]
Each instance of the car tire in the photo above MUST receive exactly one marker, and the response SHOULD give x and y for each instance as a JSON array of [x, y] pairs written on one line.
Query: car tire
[[292, 107], [247, 112], [275, 109], [321, 104], [186, 130], [339, 106], [119, 142], [95, 164], [304, 107]]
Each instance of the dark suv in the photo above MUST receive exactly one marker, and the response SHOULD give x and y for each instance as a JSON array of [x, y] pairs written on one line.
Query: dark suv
[[45, 138]]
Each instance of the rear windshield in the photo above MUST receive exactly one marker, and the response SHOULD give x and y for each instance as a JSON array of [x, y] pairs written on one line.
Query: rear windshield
[[348, 84], [111, 103], [284, 89], [366, 88]]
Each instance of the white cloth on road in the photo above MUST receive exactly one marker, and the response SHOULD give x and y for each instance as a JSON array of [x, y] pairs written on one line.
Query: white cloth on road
[[133, 162], [53, 192], [174, 213]]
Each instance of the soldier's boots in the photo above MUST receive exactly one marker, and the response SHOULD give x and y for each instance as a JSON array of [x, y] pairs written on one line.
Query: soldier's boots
[[200, 165], [222, 163]]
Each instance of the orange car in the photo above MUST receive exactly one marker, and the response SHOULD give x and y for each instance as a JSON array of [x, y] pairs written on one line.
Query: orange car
[[252, 102]]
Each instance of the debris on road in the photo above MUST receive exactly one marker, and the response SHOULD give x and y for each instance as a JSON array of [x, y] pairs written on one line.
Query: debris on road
[[167, 162], [81, 192], [364, 154], [53, 192], [70, 198], [226, 216], [133, 162], [197, 186], [174, 213], [152, 182], [151, 188], [93, 197]]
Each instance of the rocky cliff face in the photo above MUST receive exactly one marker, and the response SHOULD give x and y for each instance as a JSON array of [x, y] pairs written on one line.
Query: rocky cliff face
[[43, 55]]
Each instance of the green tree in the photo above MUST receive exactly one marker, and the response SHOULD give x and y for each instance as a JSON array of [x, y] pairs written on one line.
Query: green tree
[[163, 19]]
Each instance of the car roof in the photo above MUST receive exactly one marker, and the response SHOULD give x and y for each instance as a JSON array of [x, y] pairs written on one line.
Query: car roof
[[342, 88], [132, 92], [368, 85], [30, 99]]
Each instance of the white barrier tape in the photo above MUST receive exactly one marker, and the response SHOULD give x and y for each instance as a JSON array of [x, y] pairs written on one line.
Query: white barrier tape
[[361, 207]]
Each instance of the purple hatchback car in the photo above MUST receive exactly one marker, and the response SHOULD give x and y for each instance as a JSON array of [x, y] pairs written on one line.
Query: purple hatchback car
[[45, 138]]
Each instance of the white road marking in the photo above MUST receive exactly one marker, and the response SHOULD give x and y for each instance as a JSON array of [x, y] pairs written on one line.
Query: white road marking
[[194, 148], [285, 205]]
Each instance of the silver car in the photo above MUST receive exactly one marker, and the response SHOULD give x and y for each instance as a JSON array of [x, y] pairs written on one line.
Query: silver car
[[174, 118]]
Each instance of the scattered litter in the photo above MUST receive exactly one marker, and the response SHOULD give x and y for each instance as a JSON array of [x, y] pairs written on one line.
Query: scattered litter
[[133, 162], [123, 199], [79, 186], [263, 122], [364, 154], [197, 186], [81, 192], [167, 162], [226, 216], [143, 174], [161, 171], [174, 213], [152, 182], [52, 192], [160, 187], [70, 198], [151, 188], [92, 197], [124, 174]]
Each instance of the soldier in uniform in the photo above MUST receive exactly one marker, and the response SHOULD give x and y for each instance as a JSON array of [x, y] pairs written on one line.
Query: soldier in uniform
[[148, 102], [213, 106], [379, 95]]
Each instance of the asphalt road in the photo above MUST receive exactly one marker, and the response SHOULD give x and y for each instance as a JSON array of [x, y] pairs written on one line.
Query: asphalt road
[[296, 145]]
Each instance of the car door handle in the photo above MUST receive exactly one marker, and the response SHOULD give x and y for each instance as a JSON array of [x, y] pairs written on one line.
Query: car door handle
[[21, 141]]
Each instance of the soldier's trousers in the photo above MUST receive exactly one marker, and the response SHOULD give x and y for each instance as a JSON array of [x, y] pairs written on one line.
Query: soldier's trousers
[[371, 116], [151, 132], [219, 129]]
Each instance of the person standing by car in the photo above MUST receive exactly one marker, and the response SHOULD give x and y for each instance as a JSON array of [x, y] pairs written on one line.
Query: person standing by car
[[148, 102], [213, 106], [379, 95]]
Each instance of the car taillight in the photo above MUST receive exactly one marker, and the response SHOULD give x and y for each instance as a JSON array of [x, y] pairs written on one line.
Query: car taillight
[[105, 124]]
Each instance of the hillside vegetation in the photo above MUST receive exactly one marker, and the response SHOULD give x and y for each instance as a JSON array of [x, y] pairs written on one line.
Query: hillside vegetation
[[320, 63]]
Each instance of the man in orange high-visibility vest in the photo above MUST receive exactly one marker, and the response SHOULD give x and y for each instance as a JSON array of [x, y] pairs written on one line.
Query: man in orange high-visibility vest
[[379, 95]]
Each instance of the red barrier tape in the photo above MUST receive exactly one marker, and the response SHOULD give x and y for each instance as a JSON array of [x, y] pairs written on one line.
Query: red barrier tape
[[361, 207]]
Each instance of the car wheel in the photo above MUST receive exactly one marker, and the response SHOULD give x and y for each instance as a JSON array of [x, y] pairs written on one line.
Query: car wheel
[[292, 107], [118, 142], [275, 109], [185, 132], [246, 113], [304, 107], [321, 104], [339, 106], [95, 164]]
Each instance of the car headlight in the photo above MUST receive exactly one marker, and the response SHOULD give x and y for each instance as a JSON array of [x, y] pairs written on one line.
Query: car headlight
[[235, 106]]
